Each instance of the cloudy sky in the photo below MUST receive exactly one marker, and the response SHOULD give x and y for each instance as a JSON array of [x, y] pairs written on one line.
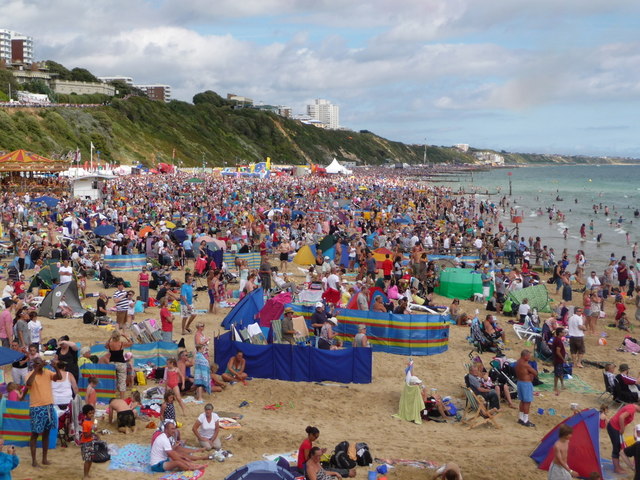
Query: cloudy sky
[[528, 76]]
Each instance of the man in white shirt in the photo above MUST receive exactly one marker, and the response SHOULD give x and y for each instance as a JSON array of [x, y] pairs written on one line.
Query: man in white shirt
[[66, 272], [333, 280], [576, 337], [592, 281], [164, 458]]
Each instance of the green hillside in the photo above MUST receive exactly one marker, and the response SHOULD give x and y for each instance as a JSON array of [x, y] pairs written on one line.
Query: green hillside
[[136, 130]]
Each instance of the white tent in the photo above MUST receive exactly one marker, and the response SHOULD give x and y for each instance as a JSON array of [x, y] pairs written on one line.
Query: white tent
[[335, 167]]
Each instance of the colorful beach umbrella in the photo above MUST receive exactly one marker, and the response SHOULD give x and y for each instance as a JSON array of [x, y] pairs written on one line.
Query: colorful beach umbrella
[[144, 231]]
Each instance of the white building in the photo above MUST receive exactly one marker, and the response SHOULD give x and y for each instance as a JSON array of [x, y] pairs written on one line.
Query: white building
[[117, 78], [325, 112], [15, 47]]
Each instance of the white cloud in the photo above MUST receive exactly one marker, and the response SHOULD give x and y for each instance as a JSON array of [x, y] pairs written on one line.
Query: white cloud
[[409, 61]]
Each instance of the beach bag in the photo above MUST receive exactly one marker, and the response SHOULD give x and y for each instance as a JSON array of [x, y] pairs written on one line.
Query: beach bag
[[340, 457], [100, 452], [507, 307], [142, 380], [363, 455], [88, 318]]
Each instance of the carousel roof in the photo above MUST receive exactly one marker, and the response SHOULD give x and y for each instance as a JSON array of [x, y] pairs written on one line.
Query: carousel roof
[[23, 161]]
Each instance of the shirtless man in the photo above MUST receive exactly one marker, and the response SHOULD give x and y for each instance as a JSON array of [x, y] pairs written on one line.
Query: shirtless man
[[124, 414], [448, 471], [559, 469], [525, 373]]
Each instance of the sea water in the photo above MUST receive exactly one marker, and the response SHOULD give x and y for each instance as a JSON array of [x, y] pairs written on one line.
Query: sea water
[[573, 190]]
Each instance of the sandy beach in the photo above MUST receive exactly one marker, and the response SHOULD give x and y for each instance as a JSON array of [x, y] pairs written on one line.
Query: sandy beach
[[355, 412]]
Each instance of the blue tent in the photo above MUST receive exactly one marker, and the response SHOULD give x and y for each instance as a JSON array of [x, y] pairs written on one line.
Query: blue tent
[[8, 356], [48, 201], [584, 448], [244, 313], [260, 470]]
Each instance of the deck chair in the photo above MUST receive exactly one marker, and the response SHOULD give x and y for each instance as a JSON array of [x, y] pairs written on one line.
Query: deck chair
[[256, 336], [484, 415], [276, 328], [300, 325], [607, 395], [524, 333]]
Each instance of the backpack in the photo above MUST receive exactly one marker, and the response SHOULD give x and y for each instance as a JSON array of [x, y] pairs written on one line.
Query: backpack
[[364, 455], [340, 457], [100, 452], [88, 318]]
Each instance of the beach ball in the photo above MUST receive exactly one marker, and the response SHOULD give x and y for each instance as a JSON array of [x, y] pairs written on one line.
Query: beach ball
[[602, 341]]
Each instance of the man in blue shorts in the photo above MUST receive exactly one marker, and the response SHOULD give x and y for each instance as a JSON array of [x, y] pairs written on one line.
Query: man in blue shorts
[[41, 412], [525, 374]]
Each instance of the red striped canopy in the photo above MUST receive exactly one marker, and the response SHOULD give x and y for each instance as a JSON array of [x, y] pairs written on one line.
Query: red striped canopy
[[23, 161]]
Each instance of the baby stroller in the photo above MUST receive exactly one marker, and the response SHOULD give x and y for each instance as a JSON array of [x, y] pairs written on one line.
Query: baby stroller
[[69, 422], [108, 279], [481, 341]]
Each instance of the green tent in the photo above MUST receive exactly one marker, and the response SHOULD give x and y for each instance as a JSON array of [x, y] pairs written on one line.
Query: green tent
[[327, 242], [47, 276], [537, 295], [460, 283]]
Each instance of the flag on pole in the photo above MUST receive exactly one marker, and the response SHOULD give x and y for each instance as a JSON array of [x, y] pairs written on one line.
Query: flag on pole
[[408, 372], [92, 148], [173, 154]]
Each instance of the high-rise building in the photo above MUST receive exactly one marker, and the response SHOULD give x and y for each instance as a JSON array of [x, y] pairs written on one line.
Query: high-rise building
[[325, 112], [15, 47], [161, 93]]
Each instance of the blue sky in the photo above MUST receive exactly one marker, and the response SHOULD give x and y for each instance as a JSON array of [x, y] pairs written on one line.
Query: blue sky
[[543, 76]]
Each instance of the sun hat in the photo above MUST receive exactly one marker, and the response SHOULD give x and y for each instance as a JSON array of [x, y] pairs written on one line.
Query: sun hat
[[333, 320], [288, 310], [319, 305], [128, 356]]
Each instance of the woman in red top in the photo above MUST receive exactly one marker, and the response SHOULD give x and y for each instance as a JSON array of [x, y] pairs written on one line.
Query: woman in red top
[[305, 447], [143, 282], [615, 429]]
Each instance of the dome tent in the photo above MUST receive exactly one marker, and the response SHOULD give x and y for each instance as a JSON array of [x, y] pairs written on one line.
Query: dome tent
[[260, 470]]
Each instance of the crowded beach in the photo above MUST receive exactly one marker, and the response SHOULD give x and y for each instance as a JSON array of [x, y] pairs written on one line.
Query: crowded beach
[[511, 369]]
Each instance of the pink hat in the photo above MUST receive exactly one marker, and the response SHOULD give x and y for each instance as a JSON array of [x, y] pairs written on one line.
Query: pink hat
[[128, 356]]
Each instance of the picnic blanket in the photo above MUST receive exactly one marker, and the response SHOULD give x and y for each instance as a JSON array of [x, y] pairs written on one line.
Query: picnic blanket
[[135, 458], [575, 384], [188, 475], [132, 458]]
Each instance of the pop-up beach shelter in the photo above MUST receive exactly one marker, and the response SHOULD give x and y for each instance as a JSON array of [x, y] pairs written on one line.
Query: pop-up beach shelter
[[537, 295], [260, 470], [584, 446], [304, 256], [460, 283], [246, 310], [65, 291]]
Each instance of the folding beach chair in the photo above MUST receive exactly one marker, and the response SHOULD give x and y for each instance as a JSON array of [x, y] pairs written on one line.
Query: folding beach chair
[[484, 414], [609, 389], [276, 328]]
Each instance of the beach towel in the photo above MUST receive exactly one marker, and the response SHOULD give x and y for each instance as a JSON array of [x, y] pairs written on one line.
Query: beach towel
[[228, 423], [575, 384], [291, 457], [423, 464], [411, 404], [132, 458], [188, 475], [202, 376]]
